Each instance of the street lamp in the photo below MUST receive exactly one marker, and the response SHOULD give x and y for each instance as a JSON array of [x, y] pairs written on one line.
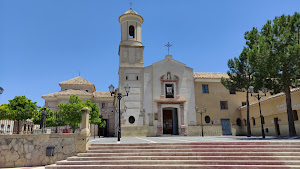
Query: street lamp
[[264, 90], [119, 96], [204, 110], [1, 90]]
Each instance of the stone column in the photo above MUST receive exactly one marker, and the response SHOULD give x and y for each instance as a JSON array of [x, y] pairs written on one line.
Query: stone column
[[85, 121], [159, 126], [182, 120]]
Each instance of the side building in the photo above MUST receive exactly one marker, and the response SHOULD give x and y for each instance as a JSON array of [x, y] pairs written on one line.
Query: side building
[[85, 90]]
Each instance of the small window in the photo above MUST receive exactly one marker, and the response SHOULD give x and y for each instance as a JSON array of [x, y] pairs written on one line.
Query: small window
[[205, 88], [207, 119], [131, 119], [244, 103], [295, 115], [87, 90], [169, 91], [232, 92], [253, 120], [238, 122], [137, 77], [131, 31], [224, 104], [126, 77], [103, 106]]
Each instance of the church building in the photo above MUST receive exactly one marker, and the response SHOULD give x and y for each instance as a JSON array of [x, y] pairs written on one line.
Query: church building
[[165, 98]]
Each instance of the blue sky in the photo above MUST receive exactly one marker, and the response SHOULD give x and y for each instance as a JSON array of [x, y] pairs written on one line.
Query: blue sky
[[44, 42]]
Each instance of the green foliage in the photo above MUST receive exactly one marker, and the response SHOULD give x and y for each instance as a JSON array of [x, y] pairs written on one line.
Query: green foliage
[[71, 111], [20, 108], [94, 112], [4, 111], [53, 118]]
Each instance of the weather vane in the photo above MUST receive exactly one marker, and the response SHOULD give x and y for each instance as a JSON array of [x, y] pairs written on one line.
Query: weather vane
[[168, 45]]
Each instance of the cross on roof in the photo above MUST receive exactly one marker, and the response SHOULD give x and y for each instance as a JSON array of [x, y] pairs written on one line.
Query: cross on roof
[[168, 45], [131, 4]]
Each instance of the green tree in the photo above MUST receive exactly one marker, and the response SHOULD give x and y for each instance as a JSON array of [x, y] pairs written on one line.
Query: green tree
[[94, 115], [276, 58], [21, 108], [54, 119], [71, 111], [240, 78], [4, 112]]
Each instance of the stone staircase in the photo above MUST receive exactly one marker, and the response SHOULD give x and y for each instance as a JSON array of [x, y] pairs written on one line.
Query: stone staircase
[[204, 155]]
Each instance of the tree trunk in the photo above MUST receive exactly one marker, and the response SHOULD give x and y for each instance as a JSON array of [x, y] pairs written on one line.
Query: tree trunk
[[248, 118], [74, 127], [292, 130]]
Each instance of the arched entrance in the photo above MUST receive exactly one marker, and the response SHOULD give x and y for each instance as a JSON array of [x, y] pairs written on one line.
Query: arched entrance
[[170, 121]]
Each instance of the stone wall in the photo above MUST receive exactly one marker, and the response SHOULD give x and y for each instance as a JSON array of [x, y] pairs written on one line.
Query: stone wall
[[137, 131], [30, 150], [207, 130]]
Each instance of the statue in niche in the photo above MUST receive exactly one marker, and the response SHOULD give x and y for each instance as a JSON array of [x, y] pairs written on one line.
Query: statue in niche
[[168, 75]]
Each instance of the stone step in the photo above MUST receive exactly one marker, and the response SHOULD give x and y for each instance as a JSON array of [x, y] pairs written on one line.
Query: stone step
[[191, 146], [197, 150], [75, 158], [191, 154], [199, 143], [172, 166], [180, 162]]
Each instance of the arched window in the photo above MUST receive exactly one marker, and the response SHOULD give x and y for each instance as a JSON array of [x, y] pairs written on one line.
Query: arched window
[[131, 31]]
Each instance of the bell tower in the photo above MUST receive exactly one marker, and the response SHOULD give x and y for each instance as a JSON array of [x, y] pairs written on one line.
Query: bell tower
[[131, 69]]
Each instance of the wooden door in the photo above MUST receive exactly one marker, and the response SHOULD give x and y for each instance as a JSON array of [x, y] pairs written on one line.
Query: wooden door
[[277, 126], [167, 122]]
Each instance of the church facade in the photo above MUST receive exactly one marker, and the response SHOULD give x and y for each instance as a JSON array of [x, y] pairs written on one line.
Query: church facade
[[165, 98]]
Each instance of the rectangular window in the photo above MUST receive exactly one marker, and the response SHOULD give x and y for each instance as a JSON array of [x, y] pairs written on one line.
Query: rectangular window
[[232, 92], [103, 106], [253, 120], [295, 115], [169, 90], [244, 103], [224, 104], [205, 88]]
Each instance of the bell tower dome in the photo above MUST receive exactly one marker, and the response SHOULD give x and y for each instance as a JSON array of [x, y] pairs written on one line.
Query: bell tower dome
[[131, 28]]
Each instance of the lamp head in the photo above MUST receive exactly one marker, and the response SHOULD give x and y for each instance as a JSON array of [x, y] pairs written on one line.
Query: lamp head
[[1, 90], [204, 108], [127, 89], [251, 89], [264, 90], [111, 88], [196, 108]]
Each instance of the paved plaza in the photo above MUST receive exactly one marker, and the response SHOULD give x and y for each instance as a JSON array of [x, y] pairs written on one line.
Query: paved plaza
[[186, 139]]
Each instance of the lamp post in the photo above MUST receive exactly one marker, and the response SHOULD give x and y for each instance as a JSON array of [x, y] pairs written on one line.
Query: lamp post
[[264, 90], [119, 96], [1, 90], [204, 110]]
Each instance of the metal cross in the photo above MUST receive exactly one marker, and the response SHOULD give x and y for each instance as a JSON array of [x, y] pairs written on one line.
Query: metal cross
[[131, 4], [168, 45]]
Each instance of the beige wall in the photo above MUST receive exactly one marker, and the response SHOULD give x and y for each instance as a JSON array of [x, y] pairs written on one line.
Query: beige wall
[[273, 108], [217, 93]]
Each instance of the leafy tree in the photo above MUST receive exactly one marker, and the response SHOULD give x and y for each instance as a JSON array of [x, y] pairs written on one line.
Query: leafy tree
[[240, 78], [94, 115], [21, 108], [276, 58], [4, 112], [54, 119], [71, 111]]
